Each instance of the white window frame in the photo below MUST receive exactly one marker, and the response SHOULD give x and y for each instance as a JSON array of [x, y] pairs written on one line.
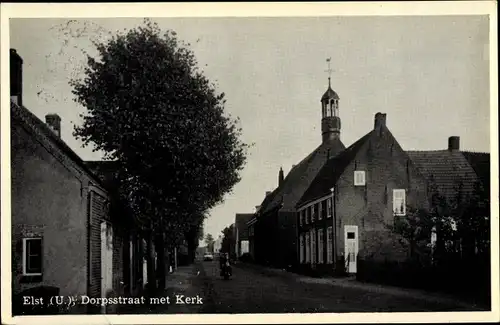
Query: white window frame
[[398, 201], [329, 207], [320, 245], [313, 213], [329, 245], [25, 254], [313, 245], [359, 178], [301, 221]]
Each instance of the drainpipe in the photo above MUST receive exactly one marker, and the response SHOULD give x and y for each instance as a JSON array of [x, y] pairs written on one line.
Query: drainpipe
[[334, 228]]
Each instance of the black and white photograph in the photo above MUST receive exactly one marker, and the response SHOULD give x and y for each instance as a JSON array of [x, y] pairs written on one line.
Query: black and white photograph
[[325, 162]]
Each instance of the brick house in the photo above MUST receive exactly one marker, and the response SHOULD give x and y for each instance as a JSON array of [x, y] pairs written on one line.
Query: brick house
[[346, 213], [63, 238], [346, 210], [274, 227]]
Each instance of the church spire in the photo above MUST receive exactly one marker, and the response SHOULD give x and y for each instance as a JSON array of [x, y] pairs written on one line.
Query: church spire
[[330, 122]]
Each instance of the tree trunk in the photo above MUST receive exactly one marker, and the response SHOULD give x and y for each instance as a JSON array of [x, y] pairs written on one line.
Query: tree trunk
[[150, 261], [160, 249]]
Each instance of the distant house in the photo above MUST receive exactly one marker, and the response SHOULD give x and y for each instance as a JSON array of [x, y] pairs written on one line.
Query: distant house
[[275, 226], [218, 245], [64, 241], [241, 236]]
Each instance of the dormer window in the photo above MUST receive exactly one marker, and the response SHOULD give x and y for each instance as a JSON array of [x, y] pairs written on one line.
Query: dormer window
[[359, 178]]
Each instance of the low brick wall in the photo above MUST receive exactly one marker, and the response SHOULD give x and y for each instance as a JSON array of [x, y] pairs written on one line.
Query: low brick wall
[[465, 278]]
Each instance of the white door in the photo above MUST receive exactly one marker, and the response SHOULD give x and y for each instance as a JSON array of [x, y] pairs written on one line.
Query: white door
[[106, 259], [144, 271], [351, 247]]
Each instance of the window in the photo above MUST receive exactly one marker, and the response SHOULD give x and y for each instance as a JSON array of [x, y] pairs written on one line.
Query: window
[[301, 249], [359, 178], [308, 247], [301, 217], [399, 202], [313, 246], [320, 210], [335, 108], [329, 245], [32, 256], [313, 212], [350, 235], [328, 207], [306, 215], [320, 246]]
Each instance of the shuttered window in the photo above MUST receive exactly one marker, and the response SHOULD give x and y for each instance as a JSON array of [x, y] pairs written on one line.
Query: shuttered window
[[32, 256], [308, 248]]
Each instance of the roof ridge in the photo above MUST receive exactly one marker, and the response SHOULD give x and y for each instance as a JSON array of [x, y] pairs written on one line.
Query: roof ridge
[[25, 115]]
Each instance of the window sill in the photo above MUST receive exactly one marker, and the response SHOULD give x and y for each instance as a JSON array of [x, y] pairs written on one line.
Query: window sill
[[31, 278]]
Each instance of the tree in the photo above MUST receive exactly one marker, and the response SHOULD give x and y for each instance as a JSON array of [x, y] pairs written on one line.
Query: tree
[[153, 111], [459, 225], [228, 239], [209, 241]]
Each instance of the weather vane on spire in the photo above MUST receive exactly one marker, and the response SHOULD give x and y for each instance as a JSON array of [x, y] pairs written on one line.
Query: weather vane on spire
[[329, 70]]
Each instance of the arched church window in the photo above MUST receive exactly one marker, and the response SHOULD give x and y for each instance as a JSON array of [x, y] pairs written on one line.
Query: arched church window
[[335, 108]]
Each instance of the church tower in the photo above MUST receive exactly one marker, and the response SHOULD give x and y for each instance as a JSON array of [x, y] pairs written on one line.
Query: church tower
[[330, 120]]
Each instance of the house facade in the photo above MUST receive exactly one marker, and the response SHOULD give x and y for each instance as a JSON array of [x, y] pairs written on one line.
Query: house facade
[[63, 238], [274, 228], [242, 245], [347, 211]]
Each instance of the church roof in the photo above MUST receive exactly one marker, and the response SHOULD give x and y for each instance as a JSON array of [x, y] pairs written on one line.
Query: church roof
[[330, 94], [300, 177], [331, 171]]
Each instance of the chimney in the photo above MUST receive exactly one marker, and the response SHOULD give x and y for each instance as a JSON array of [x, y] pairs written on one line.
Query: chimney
[[281, 177], [379, 120], [454, 143], [268, 192], [16, 77], [54, 123], [257, 208]]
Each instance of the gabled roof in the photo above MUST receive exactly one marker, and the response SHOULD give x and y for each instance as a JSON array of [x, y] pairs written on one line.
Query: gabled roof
[[448, 170], [480, 162], [30, 120], [300, 177], [331, 171]]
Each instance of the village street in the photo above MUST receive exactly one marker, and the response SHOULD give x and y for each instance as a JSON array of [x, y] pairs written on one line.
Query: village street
[[254, 289]]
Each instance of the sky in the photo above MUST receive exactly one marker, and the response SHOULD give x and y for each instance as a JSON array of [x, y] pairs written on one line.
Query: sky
[[429, 74]]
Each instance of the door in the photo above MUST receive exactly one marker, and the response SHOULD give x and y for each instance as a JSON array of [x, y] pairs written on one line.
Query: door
[[106, 259], [144, 272], [351, 247]]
